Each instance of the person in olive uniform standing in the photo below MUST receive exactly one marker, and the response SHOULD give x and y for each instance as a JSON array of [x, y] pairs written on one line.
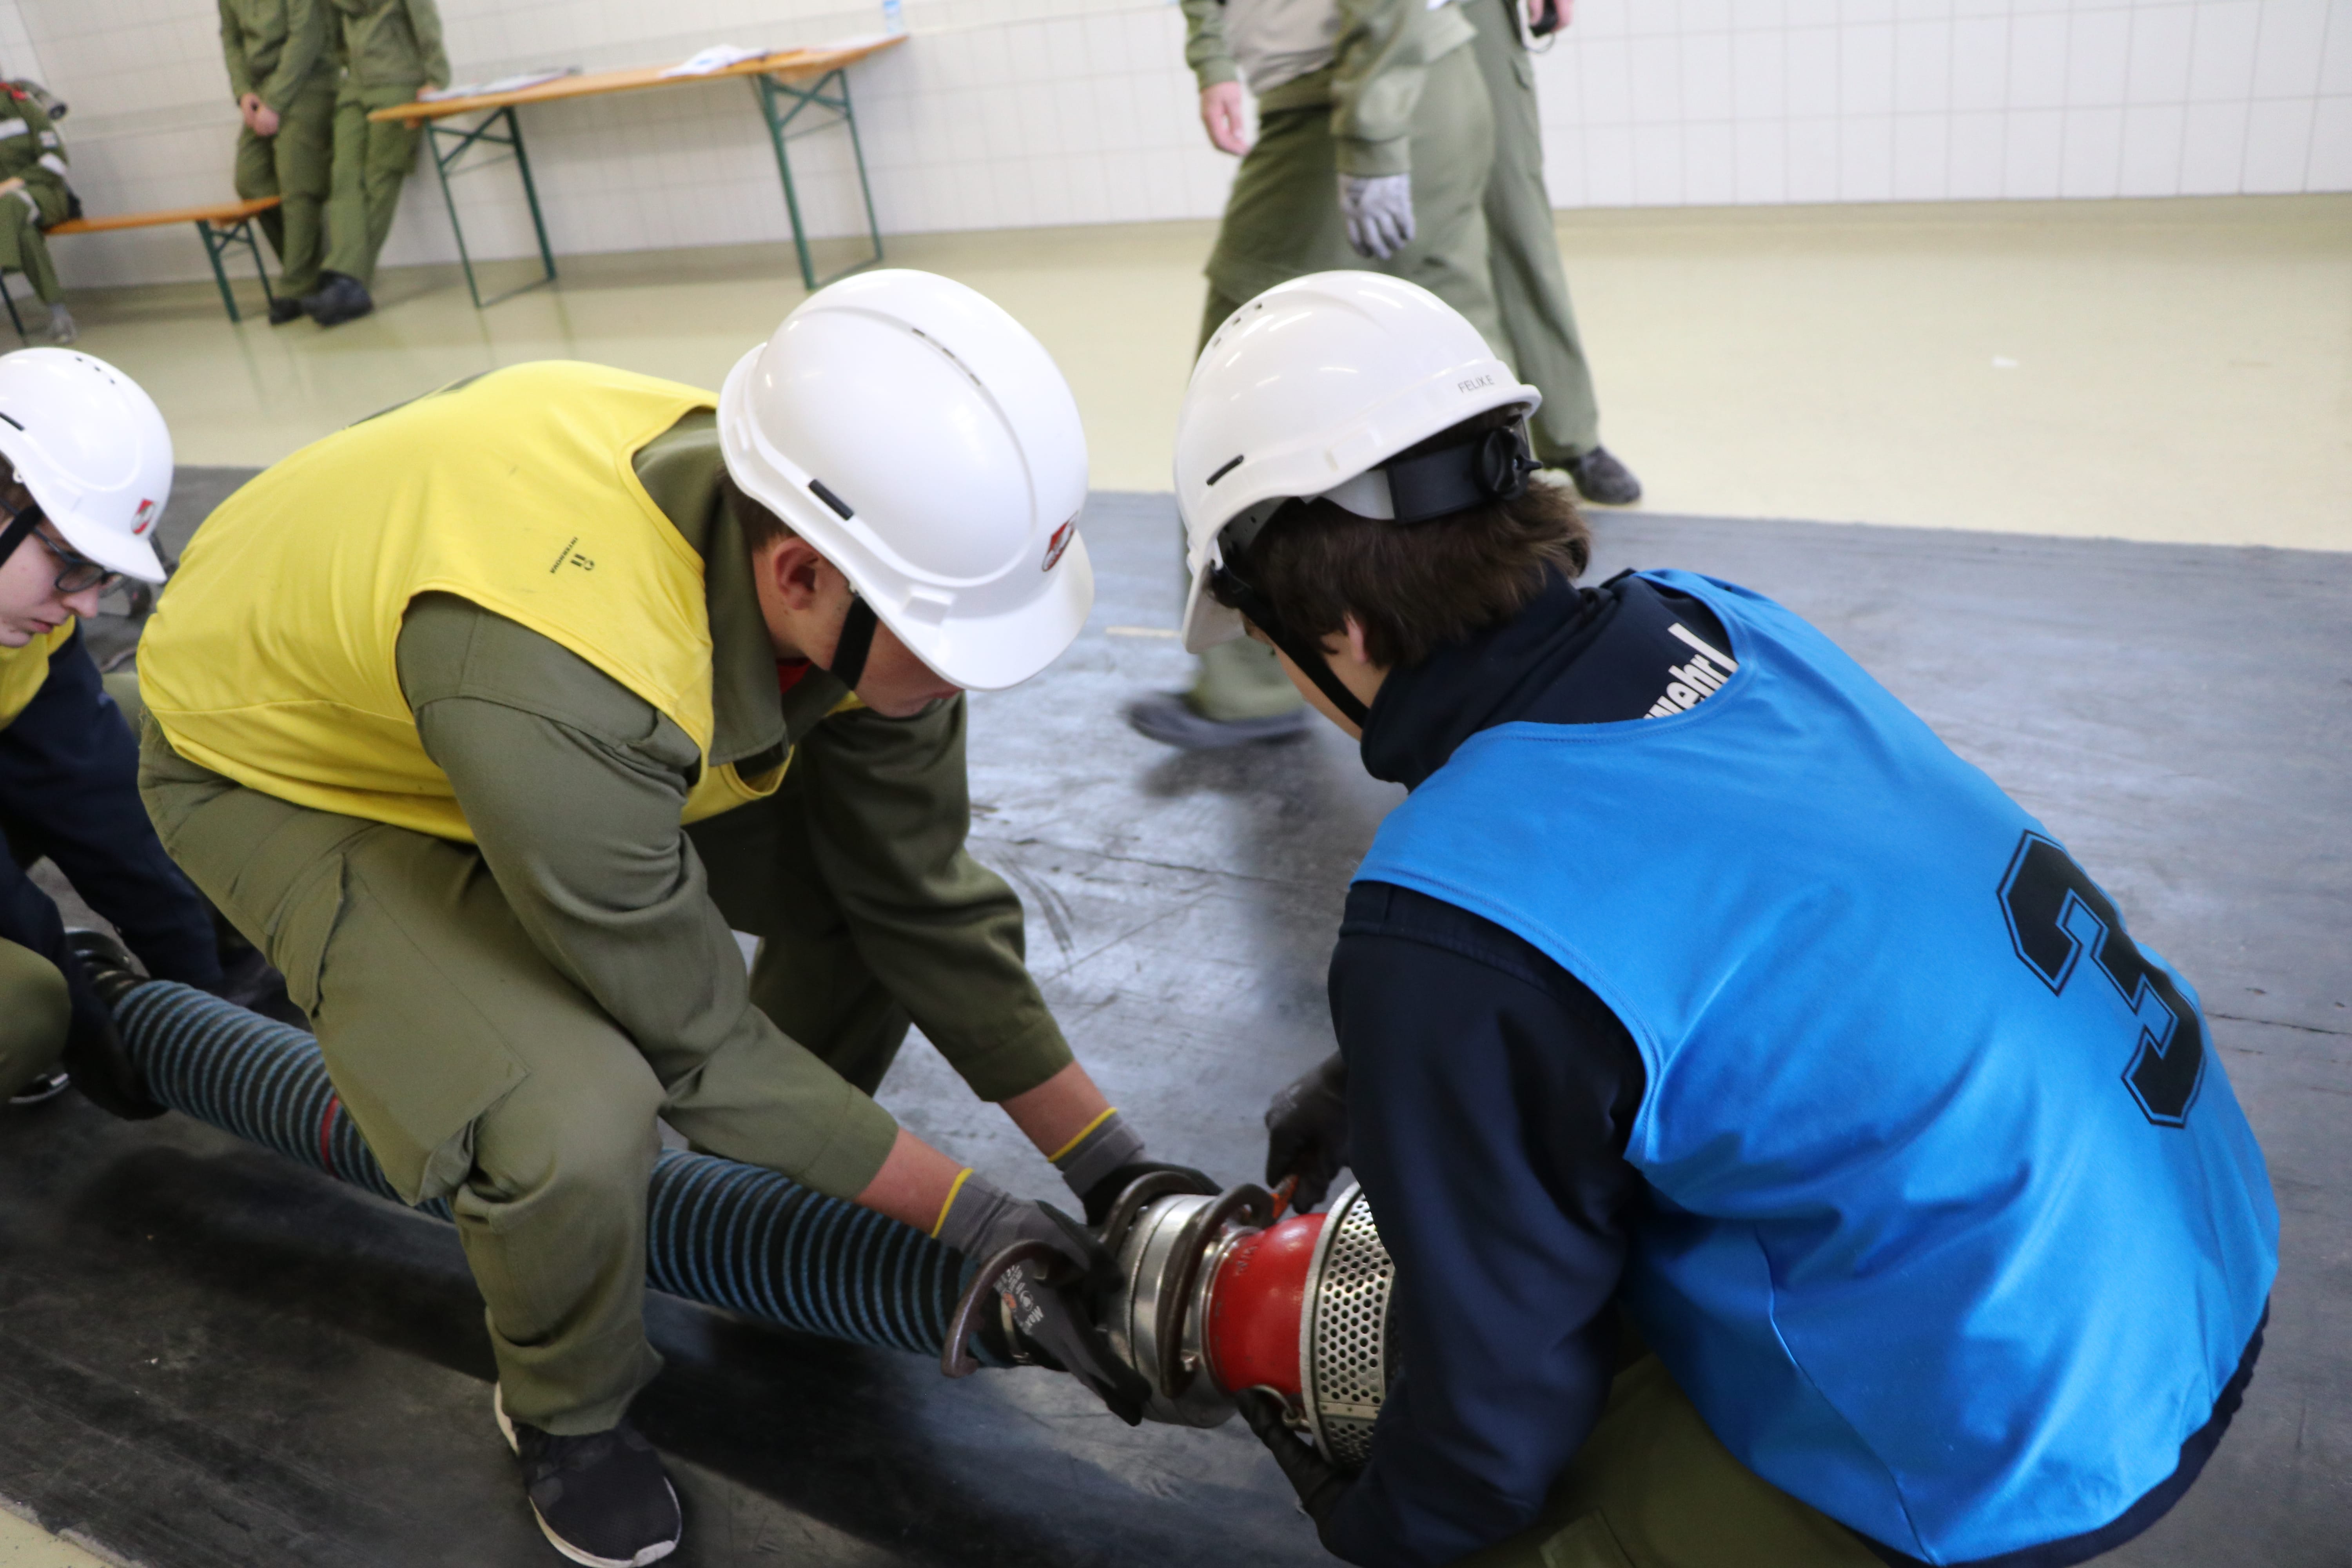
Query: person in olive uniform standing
[[390, 51], [33, 195], [552, 616], [281, 71], [1374, 150]]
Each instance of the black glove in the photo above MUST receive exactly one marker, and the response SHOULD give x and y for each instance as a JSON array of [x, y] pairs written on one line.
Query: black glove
[[1319, 1483], [1306, 1133], [1044, 1297], [1100, 1198], [94, 1058]]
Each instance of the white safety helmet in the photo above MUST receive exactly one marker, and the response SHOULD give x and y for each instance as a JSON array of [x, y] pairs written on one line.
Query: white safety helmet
[[926, 444], [92, 449], [1306, 391]]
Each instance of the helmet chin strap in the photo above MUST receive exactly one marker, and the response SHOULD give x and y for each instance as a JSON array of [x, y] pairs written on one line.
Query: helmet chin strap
[[1311, 660], [856, 640], [18, 531]]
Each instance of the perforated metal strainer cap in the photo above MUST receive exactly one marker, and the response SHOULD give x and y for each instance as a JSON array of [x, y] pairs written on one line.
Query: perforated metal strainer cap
[[1345, 1354]]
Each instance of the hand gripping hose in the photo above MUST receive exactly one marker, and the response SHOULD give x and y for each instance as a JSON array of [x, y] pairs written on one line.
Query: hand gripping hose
[[720, 1233]]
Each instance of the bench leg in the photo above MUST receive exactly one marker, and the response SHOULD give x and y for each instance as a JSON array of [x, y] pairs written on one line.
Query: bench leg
[[10, 301], [214, 245]]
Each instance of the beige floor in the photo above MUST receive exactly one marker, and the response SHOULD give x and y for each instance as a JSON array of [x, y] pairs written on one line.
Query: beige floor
[[23, 1544], [2172, 370]]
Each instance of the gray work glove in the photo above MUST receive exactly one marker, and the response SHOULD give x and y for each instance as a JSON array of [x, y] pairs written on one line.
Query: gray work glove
[[1045, 1300], [1378, 210], [1306, 1131]]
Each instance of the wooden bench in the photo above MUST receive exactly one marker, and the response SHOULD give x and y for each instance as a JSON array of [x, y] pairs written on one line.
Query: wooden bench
[[222, 226]]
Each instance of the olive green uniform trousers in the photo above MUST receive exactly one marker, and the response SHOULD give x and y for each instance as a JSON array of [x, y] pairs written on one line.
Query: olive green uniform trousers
[[23, 247], [1652, 1487], [373, 158], [478, 1071], [1530, 291], [296, 165], [34, 1011]]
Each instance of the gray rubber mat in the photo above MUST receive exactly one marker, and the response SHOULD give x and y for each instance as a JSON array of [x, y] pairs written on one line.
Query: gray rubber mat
[[211, 1358]]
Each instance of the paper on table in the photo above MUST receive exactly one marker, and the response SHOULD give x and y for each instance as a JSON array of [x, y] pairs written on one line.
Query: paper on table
[[717, 57], [514, 83]]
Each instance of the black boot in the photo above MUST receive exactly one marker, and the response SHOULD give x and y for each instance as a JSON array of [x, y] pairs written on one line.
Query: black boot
[[341, 298], [284, 308], [1601, 480], [602, 1499]]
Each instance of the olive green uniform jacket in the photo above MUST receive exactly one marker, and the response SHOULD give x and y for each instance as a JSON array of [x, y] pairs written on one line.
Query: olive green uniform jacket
[[389, 49], [505, 1020], [281, 52], [30, 151]]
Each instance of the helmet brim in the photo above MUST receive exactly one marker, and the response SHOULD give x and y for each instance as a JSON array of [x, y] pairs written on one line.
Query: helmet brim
[[991, 654], [134, 558]]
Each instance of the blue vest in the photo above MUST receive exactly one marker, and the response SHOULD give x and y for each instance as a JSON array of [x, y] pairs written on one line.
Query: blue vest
[[1954, 1229]]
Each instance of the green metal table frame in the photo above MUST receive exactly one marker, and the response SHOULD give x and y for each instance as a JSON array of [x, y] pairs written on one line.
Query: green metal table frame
[[219, 240], [464, 141], [772, 93], [780, 103]]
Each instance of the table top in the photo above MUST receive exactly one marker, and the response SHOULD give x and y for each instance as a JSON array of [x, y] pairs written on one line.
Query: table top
[[218, 212], [788, 63]]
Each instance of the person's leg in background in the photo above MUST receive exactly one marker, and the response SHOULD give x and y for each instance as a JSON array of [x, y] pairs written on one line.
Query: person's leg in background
[[1530, 289], [34, 1008], [372, 160], [297, 166], [1652, 1487], [24, 248]]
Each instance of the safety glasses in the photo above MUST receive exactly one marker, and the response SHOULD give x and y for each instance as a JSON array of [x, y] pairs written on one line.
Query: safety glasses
[[78, 573]]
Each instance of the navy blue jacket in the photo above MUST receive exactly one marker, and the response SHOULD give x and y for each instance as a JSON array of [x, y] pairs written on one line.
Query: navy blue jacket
[[69, 790], [1496, 1165]]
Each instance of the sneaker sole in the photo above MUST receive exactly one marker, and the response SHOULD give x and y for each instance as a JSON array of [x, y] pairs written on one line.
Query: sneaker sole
[[1172, 725], [652, 1554], [46, 1091]]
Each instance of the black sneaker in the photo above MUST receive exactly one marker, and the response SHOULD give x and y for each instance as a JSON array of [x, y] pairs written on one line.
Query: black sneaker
[[341, 298], [1601, 480], [602, 1499], [284, 308], [1167, 718]]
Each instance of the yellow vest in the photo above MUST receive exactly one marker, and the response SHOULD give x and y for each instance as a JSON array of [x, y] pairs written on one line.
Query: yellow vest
[[271, 656], [23, 669]]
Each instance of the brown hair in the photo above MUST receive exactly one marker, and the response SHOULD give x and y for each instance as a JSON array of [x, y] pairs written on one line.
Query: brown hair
[[758, 525], [1419, 588]]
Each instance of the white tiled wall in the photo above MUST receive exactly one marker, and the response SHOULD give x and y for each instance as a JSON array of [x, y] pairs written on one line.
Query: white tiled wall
[[1654, 102], [1004, 114]]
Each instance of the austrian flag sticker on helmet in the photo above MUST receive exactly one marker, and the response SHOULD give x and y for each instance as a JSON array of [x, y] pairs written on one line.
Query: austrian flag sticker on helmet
[[1059, 543], [143, 518]]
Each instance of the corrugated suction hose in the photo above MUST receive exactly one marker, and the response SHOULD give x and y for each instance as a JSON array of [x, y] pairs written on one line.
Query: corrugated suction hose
[[724, 1234]]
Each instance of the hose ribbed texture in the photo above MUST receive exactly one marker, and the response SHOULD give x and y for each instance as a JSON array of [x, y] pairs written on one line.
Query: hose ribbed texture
[[724, 1234]]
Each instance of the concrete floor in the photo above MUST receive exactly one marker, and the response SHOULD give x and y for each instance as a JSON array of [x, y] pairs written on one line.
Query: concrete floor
[[2156, 370], [213, 1358]]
